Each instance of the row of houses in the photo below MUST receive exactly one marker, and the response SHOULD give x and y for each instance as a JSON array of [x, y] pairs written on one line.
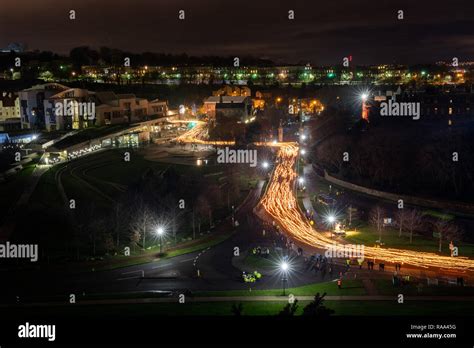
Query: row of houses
[[53, 106], [433, 103]]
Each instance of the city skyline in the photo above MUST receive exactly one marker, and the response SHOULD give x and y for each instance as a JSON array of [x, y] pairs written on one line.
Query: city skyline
[[319, 33]]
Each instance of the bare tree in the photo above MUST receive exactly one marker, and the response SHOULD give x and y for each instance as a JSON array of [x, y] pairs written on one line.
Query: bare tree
[[108, 243], [97, 228], [446, 230], [376, 219], [400, 218], [142, 222], [203, 208], [414, 220], [134, 237]]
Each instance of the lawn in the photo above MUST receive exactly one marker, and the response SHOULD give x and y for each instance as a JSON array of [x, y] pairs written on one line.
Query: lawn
[[367, 235], [257, 262], [351, 287], [12, 189], [385, 287]]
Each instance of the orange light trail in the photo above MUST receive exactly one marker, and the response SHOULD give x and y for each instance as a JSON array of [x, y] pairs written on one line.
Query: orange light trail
[[198, 135], [279, 202]]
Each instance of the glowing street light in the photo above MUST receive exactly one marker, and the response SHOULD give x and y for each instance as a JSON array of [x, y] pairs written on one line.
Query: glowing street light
[[265, 165], [303, 137], [303, 151], [284, 267], [301, 180], [364, 96], [160, 232]]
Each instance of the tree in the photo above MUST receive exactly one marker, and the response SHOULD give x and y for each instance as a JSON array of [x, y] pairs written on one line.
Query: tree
[[414, 220], [97, 228], [316, 308], [108, 243], [134, 237], [376, 219], [289, 310], [446, 230], [142, 222], [400, 218], [203, 208]]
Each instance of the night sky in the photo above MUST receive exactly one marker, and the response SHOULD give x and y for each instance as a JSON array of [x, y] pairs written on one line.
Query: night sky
[[322, 32]]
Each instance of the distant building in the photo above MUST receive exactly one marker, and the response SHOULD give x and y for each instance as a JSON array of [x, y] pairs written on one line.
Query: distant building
[[32, 104], [434, 102], [77, 108], [232, 107], [15, 47], [238, 108], [233, 91], [9, 106]]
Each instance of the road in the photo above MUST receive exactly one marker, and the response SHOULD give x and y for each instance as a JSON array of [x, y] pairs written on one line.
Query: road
[[177, 274], [280, 203]]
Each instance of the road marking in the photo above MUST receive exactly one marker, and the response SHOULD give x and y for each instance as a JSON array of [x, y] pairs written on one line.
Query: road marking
[[133, 277], [186, 260], [140, 270], [162, 266], [128, 278]]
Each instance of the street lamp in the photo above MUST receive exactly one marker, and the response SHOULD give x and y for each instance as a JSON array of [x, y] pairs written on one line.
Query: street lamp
[[160, 232], [332, 220], [284, 269], [303, 151], [301, 180], [265, 165]]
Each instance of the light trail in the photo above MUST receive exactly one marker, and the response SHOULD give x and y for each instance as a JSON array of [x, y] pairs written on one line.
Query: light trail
[[279, 201], [199, 135]]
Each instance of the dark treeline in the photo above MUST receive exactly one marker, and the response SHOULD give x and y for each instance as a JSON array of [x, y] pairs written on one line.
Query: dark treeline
[[85, 55], [401, 156]]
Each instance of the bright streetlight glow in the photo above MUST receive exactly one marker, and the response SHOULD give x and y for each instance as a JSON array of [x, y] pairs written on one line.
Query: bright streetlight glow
[[303, 137], [303, 151], [160, 232], [284, 266], [301, 180], [331, 218], [364, 96], [265, 165]]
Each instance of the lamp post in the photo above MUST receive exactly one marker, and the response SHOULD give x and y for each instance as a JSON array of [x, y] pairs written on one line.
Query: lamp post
[[160, 232], [284, 268], [332, 220]]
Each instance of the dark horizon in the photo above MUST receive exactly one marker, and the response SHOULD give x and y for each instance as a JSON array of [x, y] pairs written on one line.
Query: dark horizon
[[321, 34]]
